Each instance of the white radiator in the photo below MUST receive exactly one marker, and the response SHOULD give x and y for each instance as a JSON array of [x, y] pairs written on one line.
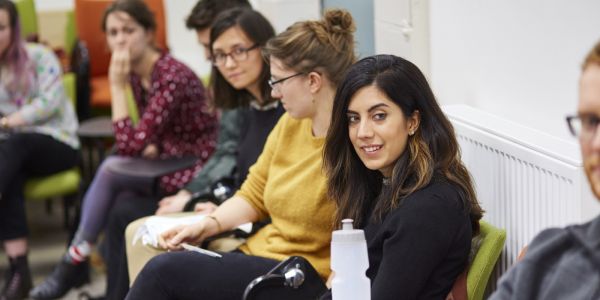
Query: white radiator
[[526, 180]]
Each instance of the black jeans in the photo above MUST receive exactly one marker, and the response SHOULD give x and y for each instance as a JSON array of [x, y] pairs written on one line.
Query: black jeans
[[128, 208], [25, 155], [191, 275]]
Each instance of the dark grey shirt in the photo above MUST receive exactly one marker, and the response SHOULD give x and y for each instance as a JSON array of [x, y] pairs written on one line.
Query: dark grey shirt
[[560, 263]]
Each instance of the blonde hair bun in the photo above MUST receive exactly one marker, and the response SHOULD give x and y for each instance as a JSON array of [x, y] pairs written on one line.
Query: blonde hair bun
[[338, 21]]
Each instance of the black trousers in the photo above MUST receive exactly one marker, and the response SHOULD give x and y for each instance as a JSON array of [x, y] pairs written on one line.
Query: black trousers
[[128, 208], [191, 275], [22, 156]]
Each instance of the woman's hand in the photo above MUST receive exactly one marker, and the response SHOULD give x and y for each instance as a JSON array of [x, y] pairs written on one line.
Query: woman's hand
[[119, 68], [150, 152], [174, 203], [192, 234], [11, 121], [205, 208]]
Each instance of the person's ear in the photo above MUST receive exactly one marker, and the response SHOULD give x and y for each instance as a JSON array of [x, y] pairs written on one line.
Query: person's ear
[[315, 82], [149, 37], [413, 122]]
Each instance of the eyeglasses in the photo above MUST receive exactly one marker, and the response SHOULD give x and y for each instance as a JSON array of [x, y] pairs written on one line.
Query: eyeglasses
[[237, 54], [276, 83], [583, 126]]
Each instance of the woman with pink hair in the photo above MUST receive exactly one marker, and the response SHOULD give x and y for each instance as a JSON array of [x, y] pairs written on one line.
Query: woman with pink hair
[[37, 136]]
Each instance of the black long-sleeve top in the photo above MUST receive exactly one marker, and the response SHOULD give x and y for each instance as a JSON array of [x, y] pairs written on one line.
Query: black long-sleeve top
[[257, 123], [418, 250]]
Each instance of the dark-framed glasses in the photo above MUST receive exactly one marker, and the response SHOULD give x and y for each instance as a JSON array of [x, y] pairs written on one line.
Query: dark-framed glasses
[[276, 83], [237, 54], [583, 126]]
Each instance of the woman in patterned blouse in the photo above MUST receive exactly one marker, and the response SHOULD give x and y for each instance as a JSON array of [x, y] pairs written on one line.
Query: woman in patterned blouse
[[37, 136], [176, 120]]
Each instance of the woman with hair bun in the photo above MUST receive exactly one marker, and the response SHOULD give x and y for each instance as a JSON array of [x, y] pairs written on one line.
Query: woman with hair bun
[[287, 183]]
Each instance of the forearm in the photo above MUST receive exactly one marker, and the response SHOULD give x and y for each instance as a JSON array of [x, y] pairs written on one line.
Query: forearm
[[118, 101], [232, 213], [13, 120]]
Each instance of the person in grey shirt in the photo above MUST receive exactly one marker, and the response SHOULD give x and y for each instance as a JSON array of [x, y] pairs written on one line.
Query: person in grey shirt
[[564, 263]]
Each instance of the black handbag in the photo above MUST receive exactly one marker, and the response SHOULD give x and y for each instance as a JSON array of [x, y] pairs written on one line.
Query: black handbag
[[292, 279], [217, 193]]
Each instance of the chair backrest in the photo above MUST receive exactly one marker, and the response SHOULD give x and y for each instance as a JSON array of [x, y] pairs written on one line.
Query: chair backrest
[[70, 87], [88, 18], [484, 262], [28, 18], [70, 33]]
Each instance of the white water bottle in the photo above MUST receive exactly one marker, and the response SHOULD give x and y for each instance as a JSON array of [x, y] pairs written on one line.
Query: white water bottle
[[349, 261]]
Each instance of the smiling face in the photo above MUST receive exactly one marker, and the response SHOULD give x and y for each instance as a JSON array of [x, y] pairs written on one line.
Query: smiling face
[[5, 31], [241, 74], [123, 32], [589, 105], [378, 129]]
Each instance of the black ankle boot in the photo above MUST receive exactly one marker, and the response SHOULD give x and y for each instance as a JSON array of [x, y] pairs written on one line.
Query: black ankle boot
[[18, 280], [64, 277]]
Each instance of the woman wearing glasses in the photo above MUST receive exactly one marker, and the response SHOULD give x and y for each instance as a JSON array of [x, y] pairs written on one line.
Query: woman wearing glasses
[[239, 85], [286, 184], [175, 120]]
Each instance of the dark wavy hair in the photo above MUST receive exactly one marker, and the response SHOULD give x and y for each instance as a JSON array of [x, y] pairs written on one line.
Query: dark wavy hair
[[259, 30], [206, 11], [433, 148], [136, 9]]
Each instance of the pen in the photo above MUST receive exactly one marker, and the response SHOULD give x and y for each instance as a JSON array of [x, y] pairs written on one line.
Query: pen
[[189, 247]]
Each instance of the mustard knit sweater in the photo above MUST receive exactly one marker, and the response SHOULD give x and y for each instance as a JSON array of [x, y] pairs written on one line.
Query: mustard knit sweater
[[287, 184]]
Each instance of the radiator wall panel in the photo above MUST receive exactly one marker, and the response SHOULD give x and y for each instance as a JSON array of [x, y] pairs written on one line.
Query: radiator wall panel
[[525, 181]]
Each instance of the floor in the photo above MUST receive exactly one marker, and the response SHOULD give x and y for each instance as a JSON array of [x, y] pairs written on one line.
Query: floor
[[48, 240]]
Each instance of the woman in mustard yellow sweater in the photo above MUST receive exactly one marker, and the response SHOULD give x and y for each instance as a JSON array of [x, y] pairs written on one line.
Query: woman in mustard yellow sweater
[[287, 183]]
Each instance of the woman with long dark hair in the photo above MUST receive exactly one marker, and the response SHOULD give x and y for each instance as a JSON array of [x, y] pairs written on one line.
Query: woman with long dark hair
[[37, 136], [393, 165]]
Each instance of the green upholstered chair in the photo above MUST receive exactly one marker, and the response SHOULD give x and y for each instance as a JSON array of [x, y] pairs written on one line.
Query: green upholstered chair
[[28, 18], [70, 33], [63, 184], [484, 262]]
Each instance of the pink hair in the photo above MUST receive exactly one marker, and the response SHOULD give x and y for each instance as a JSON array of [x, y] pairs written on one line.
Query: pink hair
[[15, 60]]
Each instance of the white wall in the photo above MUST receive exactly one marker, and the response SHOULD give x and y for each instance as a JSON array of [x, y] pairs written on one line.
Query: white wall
[[49, 5], [516, 59], [402, 28]]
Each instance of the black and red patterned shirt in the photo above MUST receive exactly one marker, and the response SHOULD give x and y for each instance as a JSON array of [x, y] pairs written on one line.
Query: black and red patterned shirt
[[174, 115]]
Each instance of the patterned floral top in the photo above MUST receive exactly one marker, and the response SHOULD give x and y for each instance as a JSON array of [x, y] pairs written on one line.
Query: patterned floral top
[[174, 115], [45, 108]]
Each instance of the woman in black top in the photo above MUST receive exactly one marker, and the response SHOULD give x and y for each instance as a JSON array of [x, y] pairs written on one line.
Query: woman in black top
[[394, 166]]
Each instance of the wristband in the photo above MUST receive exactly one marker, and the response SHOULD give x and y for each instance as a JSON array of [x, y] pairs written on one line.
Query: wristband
[[219, 227]]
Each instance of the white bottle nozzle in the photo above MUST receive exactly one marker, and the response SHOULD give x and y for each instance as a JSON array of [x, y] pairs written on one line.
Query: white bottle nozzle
[[347, 224], [349, 261]]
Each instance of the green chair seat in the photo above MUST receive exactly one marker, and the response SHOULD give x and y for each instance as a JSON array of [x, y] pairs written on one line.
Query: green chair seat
[[492, 243], [58, 184], [65, 184]]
